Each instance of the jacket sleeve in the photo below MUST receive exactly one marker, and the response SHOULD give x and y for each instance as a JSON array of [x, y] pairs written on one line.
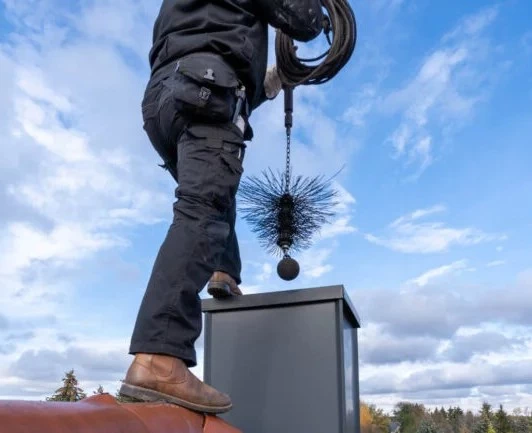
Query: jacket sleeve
[[299, 19]]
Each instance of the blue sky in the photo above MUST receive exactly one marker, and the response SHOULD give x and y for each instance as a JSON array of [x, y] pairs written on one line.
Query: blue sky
[[431, 119]]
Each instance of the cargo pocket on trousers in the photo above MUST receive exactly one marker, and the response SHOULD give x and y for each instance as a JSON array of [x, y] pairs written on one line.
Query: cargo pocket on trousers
[[229, 154], [197, 176], [229, 146], [232, 156]]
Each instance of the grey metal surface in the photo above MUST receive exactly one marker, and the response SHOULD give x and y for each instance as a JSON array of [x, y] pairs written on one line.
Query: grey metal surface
[[280, 365], [350, 380], [299, 296]]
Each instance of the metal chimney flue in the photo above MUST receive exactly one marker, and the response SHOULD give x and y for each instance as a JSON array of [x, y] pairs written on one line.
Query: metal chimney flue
[[289, 360]]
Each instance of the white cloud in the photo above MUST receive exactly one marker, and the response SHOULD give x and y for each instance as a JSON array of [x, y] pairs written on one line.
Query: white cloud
[[474, 24], [341, 224], [429, 86], [524, 278], [80, 191], [386, 4], [422, 152], [400, 138], [420, 213], [42, 126], [365, 100], [312, 262], [447, 86], [407, 235], [266, 272], [62, 245], [495, 263], [121, 22], [83, 172], [83, 169], [78, 174], [478, 344], [432, 274], [95, 361], [338, 227], [33, 261], [250, 289]]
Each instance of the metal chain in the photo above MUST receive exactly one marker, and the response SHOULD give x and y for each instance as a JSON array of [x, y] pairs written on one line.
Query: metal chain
[[287, 169]]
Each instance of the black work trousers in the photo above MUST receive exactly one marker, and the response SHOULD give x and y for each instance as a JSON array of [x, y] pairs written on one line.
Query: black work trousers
[[206, 161]]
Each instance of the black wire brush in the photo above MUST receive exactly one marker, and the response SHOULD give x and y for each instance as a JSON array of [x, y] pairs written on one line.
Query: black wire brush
[[286, 212]]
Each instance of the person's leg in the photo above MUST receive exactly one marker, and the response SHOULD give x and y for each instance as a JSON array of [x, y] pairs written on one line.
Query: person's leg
[[209, 171], [169, 320], [227, 276], [230, 263]]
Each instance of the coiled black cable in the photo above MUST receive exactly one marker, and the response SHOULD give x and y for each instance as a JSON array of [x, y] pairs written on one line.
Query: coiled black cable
[[341, 21]]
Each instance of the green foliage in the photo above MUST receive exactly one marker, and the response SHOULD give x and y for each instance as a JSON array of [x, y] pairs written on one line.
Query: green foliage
[[486, 411], [427, 426], [409, 415], [484, 423], [440, 420], [373, 420], [501, 422], [414, 418], [456, 419], [469, 421], [521, 423], [379, 419], [69, 391]]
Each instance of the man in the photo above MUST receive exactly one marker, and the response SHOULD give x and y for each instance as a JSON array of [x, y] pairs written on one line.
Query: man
[[209, 64]]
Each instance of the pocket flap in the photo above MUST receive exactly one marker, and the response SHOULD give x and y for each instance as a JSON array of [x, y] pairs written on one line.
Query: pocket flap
[[209, 69]]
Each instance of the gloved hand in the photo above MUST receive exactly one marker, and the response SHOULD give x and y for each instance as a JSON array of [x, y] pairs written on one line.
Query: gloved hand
[[272, 82]]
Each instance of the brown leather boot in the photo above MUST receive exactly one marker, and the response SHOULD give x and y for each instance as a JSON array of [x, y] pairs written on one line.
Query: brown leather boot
[[165, 378], [221, 285]]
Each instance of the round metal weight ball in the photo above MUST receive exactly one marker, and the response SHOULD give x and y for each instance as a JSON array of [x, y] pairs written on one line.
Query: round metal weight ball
[[288, 268]]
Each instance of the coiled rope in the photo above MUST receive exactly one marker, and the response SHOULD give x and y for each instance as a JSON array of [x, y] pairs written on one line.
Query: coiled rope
[[342, 23], [285, 214]]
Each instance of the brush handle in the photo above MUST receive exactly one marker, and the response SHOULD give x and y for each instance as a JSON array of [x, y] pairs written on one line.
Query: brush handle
[[288, 106]]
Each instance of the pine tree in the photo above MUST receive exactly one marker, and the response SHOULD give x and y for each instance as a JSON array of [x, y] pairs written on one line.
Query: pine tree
[[469, 421], [501, 421], [409, 415], [427, 426], [69, 391], [486, 410], [99, 390], [440, 420], [484, 424], [455, 415]]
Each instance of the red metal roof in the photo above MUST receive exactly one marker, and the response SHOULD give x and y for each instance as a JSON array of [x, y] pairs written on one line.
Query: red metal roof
[[103, 414]]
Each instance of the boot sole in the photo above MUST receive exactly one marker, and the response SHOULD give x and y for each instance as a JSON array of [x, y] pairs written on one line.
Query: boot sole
[[149, 395], [219, 290]]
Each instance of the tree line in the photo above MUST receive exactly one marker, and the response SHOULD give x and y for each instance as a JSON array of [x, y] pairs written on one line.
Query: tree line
[[405, 418], [416, 418]]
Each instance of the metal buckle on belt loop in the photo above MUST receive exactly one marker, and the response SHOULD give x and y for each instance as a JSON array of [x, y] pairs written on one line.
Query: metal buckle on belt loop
[[241, 96]]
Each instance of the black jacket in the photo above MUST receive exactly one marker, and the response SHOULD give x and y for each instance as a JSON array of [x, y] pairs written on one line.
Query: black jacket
[[235, 29]]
